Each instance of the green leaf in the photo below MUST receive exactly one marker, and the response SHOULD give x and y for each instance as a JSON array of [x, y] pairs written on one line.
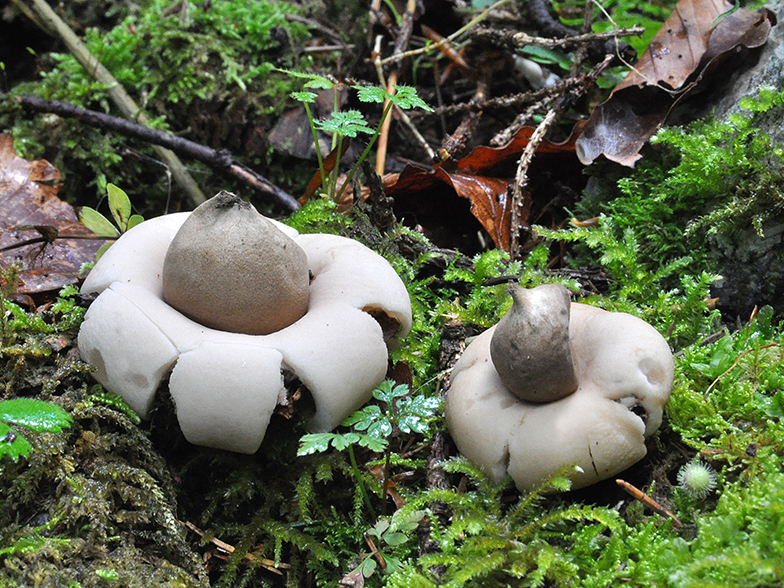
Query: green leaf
[[406, 97], [314, 443], [36, 415], [371, 94], [381, 527], [340, 442], [367, 567], [547, 56], [363, 418], [97, 223], [314, 80], [394, 565], [388, 391], [306, 97], [395, 538], [776, 407], [404, 520], [120, 206], [109, 574], [12, 444], [136, 219], [348, 123], [373, 443], [101, 250], [320, 442]]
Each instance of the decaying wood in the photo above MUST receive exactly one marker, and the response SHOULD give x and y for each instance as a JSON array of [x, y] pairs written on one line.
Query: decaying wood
[[219, 160]]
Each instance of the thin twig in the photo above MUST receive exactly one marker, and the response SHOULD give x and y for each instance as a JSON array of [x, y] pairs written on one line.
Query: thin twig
[[503, 137], [512, 39], [406, 28], [219, 160], [513, 101], [648, 501], [521, 177], [406, 120]]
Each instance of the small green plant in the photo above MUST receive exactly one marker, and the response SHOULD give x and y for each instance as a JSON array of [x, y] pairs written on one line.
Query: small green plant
[[385, 535], [697, 478], [120, 208], [488, 541], [350, 123], [373, 427], [108, 574], [32, 414]]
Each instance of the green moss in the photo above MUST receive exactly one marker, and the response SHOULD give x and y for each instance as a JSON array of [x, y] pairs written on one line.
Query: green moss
[[94, 496]]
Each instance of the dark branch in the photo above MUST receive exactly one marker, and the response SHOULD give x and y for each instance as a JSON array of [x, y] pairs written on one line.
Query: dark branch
[[552, 27], [220, 160]]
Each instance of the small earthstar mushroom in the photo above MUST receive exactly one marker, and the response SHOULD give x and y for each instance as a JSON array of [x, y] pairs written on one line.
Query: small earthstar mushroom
[[623, 369], [224, 382]]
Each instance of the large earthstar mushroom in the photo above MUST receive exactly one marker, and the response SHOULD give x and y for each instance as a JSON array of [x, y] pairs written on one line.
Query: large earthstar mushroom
[[319, 299], [513, 410]]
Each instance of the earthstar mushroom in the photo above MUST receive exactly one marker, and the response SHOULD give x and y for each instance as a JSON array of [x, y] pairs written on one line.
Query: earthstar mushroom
[[225, 385], [624, 371]]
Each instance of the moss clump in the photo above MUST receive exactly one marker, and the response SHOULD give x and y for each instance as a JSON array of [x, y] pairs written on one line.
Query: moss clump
[[94, 498], [711, 199]]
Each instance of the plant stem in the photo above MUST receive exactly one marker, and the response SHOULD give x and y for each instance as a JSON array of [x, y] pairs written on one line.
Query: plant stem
[[316, 143], [360, 483], [364, 153]]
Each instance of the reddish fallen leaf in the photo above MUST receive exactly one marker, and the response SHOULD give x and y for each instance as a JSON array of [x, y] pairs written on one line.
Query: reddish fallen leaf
[[484, 178], [486, 160], [52, 254], [689, 45], [490, 203]]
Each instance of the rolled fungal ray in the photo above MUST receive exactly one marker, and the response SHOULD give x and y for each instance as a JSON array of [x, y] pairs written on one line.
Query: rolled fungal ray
[[226, 409]]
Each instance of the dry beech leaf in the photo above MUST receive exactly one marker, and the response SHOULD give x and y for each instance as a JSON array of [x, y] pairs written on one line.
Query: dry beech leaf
[[690, 44], [60, 243]]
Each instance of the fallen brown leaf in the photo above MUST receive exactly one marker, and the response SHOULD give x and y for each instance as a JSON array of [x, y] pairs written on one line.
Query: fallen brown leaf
[[36, 227], [689, 45], [483, 177]]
